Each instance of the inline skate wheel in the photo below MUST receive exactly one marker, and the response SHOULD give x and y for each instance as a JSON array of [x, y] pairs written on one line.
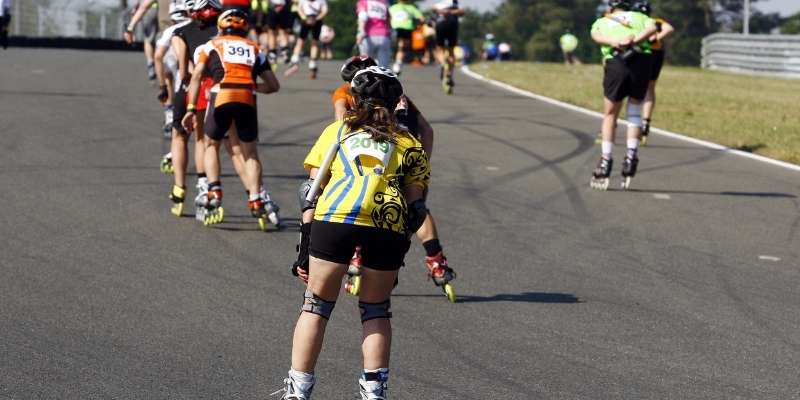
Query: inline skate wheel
[[626, 183], [450, 292], [599, 183], [353, 285], [262, 224], [644, 141], [177, 209]]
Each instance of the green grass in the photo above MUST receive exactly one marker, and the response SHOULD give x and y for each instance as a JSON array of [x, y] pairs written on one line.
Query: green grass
[[756, 114]]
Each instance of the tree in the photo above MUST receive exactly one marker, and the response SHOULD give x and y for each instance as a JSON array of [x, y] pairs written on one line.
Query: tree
[[342, 17], [791, 25]]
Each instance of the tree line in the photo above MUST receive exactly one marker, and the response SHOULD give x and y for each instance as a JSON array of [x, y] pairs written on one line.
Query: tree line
[[533, 27]]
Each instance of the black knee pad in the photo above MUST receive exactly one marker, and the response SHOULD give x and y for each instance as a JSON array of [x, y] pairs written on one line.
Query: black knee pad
[[315, 305], [375, 310]]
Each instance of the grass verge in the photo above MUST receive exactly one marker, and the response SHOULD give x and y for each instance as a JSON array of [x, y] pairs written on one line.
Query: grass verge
[[755, 114]]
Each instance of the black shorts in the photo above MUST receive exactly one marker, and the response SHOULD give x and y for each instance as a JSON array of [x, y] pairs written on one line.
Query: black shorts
[[404, 34], [220, 119], [446, 34], [627, 79], [658, 64], [314, 30], [381, 249], [258, 20], [280, 19]]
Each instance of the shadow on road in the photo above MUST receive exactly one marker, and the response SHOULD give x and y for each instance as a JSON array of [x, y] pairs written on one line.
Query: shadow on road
[[726, 193], [526, 297]]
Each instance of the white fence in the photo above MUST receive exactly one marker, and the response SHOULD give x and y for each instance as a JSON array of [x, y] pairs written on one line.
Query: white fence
[[67, 18], [777, 55]]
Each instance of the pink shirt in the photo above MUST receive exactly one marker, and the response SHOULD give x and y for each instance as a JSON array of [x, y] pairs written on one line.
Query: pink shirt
[[376, 13]]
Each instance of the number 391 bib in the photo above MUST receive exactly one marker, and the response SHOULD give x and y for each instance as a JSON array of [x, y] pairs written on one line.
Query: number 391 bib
[[239, 53]]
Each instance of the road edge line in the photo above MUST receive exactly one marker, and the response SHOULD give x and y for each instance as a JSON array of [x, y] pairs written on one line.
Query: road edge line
[[467, 71]]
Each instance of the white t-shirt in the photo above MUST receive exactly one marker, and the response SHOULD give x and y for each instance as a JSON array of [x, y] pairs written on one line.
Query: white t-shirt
[[504, 48], [312, 7], [165, 40]]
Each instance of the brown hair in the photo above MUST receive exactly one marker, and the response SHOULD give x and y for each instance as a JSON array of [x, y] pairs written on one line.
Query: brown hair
[[375, 119]]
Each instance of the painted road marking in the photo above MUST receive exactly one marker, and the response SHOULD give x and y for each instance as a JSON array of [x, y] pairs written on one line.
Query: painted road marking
[[661, 196], [769, 258], [492, 168]]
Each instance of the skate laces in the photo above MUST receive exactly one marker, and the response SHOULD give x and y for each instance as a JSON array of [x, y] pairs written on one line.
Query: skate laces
[[373, 390], [290, 391]]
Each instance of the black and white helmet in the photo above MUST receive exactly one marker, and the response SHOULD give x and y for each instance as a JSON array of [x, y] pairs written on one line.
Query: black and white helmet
[[377, 85], [201, 4], [179, 10]]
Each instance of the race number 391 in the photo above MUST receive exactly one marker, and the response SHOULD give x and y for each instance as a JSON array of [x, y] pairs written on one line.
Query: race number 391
[[239, 53]]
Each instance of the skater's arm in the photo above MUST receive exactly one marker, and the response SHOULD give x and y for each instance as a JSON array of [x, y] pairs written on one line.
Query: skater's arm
[[137, 16], [424, 129], [323, 13], [666, 30], [608, 41], [158, 60], [270, 83], [190, 119], [645, 34], [180, 49]]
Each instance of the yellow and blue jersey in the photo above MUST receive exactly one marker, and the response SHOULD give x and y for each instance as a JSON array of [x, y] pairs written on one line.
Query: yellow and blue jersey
[[368, 177]]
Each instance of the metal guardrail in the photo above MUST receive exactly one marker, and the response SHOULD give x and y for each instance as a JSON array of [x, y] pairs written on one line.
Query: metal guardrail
[[66, 19], [776, 55]]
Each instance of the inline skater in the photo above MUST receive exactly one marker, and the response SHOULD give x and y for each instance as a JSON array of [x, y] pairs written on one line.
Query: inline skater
[[373, 199], [569, 43], [405, 18], [5, 21], [447, 15], [326, 36], [185, 41], [623, 36], [279, 24], [233, 62], [411, 118], [147, 12], [166, 67], [490, 50], [663, 29], [311, 13], [374, 36]]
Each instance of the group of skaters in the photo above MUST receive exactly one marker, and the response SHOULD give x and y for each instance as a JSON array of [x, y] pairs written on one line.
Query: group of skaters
[[633, 55], [494, 50], [369, 170]]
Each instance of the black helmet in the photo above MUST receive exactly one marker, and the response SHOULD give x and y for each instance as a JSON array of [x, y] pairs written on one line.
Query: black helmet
[[642, 7], [355, 64], [377, 85], [621, 4]]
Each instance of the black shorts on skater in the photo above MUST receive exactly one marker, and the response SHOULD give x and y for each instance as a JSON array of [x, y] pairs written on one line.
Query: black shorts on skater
[[627, 78], [381, 249]]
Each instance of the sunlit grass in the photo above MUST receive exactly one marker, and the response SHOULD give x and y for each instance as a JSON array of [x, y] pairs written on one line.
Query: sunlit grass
[[755, 114]]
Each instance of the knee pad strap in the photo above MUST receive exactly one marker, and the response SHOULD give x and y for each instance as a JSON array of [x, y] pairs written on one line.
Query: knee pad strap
[[375, 310], [315, 305]]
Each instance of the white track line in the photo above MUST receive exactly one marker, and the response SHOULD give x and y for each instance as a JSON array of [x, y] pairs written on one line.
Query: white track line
[[465, 69]]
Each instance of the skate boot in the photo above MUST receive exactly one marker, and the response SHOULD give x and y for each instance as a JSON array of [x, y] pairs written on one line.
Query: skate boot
[[168, 115], [313, 74], [266, 211], [151, 71], [214, 213], [373, 385], [201, 201], [312, 67], [442, 274], [166, 166], [178, 195], [397, 68], [645, 132], [294, 390], [629, 167], [600, 176], [352, 284], [294, 66], [272, 56]]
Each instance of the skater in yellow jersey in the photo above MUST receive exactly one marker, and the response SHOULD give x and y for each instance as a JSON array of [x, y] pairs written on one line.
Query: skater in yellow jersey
[[374, 174]]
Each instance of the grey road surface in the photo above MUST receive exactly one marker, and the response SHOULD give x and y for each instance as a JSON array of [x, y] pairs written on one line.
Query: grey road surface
[[686, 287]]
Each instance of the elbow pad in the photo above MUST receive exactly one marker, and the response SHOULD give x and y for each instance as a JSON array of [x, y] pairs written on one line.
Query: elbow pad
[[302, 193]]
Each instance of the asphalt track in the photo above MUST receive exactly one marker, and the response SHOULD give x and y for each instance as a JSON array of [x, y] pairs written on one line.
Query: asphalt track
[[684, 288]]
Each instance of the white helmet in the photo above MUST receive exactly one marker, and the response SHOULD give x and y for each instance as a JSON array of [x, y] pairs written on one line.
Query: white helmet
[[489, 36], [201, 4], [178, 10]]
